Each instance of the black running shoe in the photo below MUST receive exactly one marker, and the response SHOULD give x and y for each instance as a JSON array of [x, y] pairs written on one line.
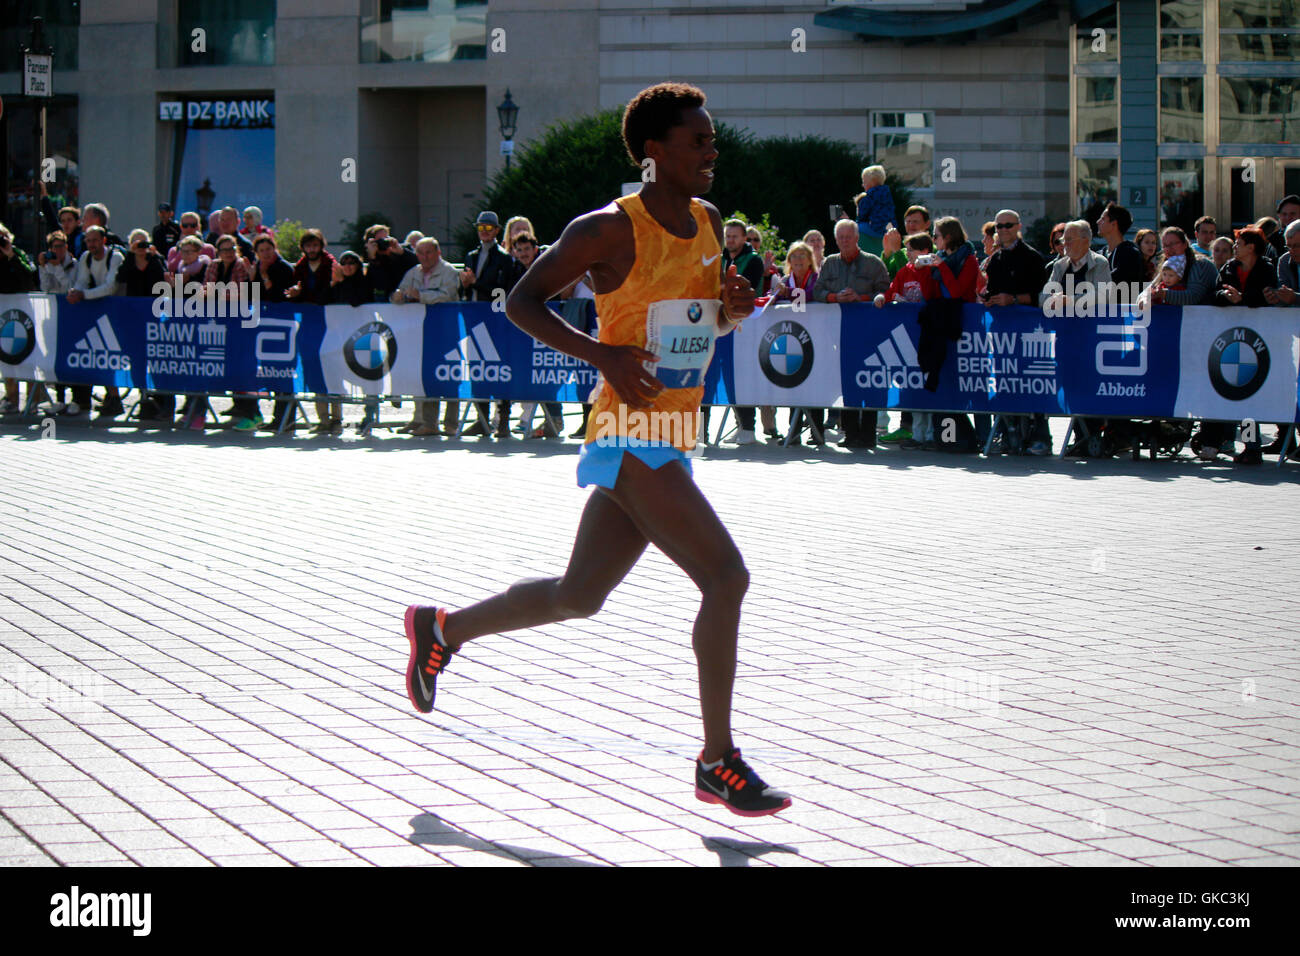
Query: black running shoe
[[735, 785], [429, 654]]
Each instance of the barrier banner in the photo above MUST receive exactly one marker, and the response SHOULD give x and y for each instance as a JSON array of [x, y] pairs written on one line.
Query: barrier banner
[[27, 337], [789, 357], [1238, 359], [1229, 364]]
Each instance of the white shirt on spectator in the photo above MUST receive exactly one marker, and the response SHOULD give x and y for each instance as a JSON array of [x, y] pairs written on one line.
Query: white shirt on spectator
[[57, 278], [440, 284], [97, 278]]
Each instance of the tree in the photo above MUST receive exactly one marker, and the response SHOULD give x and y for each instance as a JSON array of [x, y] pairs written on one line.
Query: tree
[[580, 165]]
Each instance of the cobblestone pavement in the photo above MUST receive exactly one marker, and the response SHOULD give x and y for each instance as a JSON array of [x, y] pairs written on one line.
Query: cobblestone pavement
[[945, 660]]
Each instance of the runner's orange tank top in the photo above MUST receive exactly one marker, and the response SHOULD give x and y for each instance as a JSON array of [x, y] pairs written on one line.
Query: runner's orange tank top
[[666, 267]]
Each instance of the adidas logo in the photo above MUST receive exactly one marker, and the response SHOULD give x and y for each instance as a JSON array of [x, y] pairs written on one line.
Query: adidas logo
[[471, 357], [99, 349], [893, 365]]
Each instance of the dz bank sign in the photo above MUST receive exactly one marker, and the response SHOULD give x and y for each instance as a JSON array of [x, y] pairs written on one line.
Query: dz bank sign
[[220, 114]]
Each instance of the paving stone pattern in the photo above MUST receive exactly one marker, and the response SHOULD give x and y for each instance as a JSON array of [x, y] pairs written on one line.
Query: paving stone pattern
[[945, 660]]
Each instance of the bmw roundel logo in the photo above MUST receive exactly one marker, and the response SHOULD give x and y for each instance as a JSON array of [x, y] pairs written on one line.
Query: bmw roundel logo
[[17, 336], [785, 353], [693, 312], [371, 351], [1238, 363]]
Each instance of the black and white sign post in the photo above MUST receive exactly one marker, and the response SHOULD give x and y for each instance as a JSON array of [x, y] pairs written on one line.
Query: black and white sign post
[[38, 83]]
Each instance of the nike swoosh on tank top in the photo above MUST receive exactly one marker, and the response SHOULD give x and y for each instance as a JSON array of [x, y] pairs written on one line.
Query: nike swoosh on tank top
[[667, 267]]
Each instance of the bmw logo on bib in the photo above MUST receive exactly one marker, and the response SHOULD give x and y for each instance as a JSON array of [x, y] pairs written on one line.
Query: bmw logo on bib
[[17, 336], [1238, 363], [785, 353], [371, 351], [693, 312]]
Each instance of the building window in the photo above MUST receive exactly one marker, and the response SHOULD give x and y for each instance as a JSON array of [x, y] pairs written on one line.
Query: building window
[[427, 31], [62, 21], [235, 33], [1255, 109], [229, 145], [904, 144], [1182, 109], [1255, 31], [1096, 38], [1097, 110], [1182, 30], [1182, 192], [1097, 183]]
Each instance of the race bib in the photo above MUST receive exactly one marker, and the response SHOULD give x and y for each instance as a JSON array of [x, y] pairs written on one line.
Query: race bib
[[682, 333]]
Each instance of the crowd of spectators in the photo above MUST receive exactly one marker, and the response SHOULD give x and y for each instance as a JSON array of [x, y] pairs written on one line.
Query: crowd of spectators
[[926, 262]]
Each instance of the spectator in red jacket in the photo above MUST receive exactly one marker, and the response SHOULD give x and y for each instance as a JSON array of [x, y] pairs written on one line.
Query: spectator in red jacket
[[312, 273]]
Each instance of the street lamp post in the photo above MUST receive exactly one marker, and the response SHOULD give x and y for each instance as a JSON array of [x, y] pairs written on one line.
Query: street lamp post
[[38, 79], [507, 114], [203, 197]]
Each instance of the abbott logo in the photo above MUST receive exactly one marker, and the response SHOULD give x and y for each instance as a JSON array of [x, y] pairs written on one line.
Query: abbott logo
[[278, 340], [894, 364], [1134, 340], [99, 348], [76, 909], [471, 358]]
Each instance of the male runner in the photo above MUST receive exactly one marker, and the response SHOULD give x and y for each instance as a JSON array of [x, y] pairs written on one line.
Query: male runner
[[654, 257]]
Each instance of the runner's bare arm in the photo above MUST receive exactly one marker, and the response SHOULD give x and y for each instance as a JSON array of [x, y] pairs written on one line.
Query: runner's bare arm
[[589, 243]]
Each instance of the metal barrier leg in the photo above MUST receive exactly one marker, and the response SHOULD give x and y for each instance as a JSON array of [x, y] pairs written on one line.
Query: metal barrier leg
[[1069, 431], [993, 433], [289, 414], [1286, 446], [796, 424], [726, 411]]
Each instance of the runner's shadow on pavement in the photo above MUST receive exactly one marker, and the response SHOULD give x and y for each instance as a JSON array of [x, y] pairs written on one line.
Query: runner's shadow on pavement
[[428, 829], [739, 853]]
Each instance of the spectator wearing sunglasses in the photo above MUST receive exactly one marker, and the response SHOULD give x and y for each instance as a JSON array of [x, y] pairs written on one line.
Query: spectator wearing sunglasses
[[190, 224]]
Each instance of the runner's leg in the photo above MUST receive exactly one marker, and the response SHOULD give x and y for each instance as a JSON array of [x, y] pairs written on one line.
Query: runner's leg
[[608, 544], [674, 515]]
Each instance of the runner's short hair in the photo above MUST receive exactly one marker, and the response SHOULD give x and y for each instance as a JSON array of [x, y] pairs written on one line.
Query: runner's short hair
[[654, 111]]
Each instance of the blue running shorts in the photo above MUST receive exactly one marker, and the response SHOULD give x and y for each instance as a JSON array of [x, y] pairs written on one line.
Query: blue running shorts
[[599, 463]]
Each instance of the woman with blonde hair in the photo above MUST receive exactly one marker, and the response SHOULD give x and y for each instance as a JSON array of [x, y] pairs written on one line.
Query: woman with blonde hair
[[817, 243]]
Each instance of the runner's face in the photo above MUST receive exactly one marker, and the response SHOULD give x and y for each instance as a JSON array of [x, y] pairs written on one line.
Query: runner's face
[[685, 159]]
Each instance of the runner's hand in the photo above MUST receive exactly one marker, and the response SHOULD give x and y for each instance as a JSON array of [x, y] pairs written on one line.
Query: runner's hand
[[623, 370], [737, 295]]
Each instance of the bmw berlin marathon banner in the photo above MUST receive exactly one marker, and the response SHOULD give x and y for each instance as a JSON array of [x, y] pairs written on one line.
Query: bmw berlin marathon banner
[[1206, 362]]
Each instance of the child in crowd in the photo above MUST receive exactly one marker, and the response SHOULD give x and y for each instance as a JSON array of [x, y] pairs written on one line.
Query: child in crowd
[[875, 210], [1171, 273], [911, 284]]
